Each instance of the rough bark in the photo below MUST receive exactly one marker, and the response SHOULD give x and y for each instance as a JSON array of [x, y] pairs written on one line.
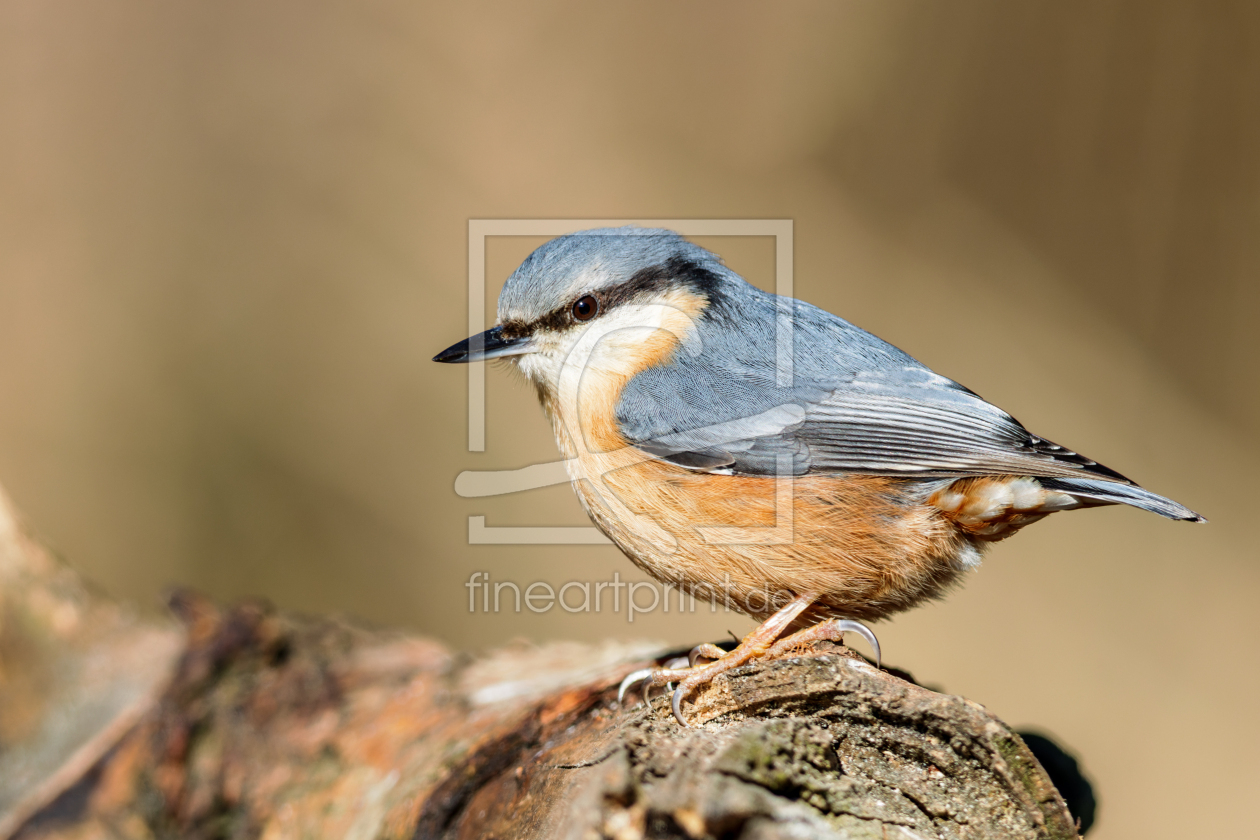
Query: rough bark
[[257, 724]]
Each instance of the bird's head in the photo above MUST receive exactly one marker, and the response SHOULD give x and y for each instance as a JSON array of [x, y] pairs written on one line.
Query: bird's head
[[611, 301]]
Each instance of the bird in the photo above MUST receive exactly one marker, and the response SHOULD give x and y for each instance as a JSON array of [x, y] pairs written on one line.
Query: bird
[[756, 449]]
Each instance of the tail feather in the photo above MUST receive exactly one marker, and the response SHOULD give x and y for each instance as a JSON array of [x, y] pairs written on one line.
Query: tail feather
[[1121, 494]]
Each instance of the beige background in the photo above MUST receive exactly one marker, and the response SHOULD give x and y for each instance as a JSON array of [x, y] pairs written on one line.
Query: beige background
[[233, 233]]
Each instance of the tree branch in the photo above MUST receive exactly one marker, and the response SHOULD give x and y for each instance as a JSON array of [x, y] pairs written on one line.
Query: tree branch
[[266, 725]]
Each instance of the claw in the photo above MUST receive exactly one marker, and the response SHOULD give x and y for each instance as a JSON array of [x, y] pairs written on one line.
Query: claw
[[631, 679], [846, 626], [676, 705], [650, 677]]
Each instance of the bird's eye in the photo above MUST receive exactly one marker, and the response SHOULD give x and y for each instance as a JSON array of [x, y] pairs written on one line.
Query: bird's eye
[[585, 308]]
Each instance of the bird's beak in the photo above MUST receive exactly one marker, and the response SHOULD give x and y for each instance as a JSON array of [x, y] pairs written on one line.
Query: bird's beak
[[488, 345]]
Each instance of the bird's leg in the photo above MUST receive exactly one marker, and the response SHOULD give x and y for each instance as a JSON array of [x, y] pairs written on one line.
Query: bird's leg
[[831, 630], [754, 645]]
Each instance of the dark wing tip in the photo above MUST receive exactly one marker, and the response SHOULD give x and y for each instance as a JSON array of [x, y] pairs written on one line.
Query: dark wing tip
[[1044, 447], [1125, 494]]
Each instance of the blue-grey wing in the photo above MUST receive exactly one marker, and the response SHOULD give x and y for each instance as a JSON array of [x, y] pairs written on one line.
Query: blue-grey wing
[[904, 420], [924, 425], [846, 401]]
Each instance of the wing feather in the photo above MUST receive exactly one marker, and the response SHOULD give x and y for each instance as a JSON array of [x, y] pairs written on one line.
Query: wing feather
[[925, 434], [854, 404]]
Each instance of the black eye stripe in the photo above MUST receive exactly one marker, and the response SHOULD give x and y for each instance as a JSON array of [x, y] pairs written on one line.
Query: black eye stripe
[[673, 272]]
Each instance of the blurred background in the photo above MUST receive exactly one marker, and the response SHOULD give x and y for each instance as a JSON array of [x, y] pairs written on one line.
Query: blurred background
[[232, 235]]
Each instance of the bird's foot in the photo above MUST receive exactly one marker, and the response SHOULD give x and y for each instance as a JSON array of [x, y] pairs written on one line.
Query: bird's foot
[[830, 630], [759, 644], [667, 674]]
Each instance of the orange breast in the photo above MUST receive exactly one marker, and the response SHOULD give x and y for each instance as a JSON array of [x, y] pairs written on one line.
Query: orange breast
[[863, 541]]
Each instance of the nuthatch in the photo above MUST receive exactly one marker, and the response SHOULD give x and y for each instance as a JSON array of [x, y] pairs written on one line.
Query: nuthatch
[[739, 443]]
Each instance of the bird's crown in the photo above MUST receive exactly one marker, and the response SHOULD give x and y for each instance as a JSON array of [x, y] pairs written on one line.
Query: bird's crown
[[609, 263]]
